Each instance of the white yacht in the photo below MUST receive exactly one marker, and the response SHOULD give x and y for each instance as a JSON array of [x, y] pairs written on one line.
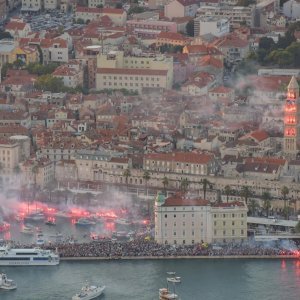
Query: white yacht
[[89, 292], [174, 279], [122, 222], [27, 257], [6, 284]]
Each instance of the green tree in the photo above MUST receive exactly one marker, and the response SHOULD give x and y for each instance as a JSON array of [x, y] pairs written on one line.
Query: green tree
[[80, 21], [266, 202], [119, 5], [297, 227], [266, 43], [5, 35], [246, 193], [165, 183], [50, 83], [146, 177], [284, 192], [228, 191], [184, 184], [4, 70], [17, 170], [190, 28], [127, 174], [205, 183], [252, 206]]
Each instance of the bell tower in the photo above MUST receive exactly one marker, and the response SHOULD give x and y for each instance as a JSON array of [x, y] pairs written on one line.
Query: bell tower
[[291, 120]]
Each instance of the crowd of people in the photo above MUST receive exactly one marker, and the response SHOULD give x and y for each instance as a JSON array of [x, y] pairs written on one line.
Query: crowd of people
[[145, 248]]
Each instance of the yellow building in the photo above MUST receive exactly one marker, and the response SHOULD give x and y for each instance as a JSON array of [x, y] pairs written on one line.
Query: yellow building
[[134, 73], [26, 54]]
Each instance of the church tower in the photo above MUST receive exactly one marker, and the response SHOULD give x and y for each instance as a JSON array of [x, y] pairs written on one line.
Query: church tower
[[291, 120]]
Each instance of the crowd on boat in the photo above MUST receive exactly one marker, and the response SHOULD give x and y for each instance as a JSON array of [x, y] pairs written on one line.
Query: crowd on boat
[[145, 248]]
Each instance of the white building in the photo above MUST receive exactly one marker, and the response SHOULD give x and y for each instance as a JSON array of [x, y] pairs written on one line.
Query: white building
[[51, 4], [291, 9], [96, 3], [32, 5], [183, 219], [216, 26]]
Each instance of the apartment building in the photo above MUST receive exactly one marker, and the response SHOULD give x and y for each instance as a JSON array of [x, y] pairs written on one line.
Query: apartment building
[[184, 163], [216, 26], [134, 73], [51, 4], [229, 222], [101, 165], [181, 8], [32, 5], [9, 159], [118, 16], [150, 28], [236, 15], [96, 3], [186, 219]]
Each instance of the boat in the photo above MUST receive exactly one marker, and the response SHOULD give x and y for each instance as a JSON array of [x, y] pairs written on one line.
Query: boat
[[27, 257], [62, 214], [165, 294], [36, 217], [50, 223], [174, 279], [6, 284], [27, 230], [171, 273], [40, 239], [89, 292], [84, 222], [122, 222]]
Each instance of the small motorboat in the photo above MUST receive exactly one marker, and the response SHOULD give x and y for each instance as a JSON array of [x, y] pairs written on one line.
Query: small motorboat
[[89, 292], [122, 222], [165, 294], [27, 230], [50, 223], [171, 273], [85, 222], [174, 279], [6, 284]]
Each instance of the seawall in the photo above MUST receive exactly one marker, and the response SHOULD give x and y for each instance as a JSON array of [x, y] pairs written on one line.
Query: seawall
[[181, 257]]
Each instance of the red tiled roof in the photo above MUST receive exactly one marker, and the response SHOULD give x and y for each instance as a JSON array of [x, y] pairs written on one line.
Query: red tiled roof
[[266, 160], [13, 25], [187, 2], [171, 36], [188, 157], [231, 204], [181, 200], [97, 10], [259, 135], [221, 90], [146, 72]]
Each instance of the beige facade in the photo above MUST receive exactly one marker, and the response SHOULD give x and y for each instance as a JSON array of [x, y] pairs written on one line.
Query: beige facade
[[96, 3], [185, 163], [51, 4], [229, 222], [118, 16], [184, 219], [181, 8], [9, 159], [134, 73], [236, 15], [31, 5]]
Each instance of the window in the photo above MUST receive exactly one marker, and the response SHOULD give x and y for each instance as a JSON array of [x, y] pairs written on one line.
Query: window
[[215, 223], [166, 216], [242, 215], [174, 224], [233, 232], [174, 216], [224, 223], [224, 216], [224, 232], [215, 232], [193, 223], [242, 231], [174, 233], [233, 223], [233, 215], [215, 215]]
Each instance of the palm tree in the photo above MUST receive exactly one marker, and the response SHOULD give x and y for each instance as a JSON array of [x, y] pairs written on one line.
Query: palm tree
[[253, 205], [146, 177], [34, 171], [246, 193], [165, 183], [205, 182], [127, 174], [184, 184], [228, 191], [267, 202], [284, 192]]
